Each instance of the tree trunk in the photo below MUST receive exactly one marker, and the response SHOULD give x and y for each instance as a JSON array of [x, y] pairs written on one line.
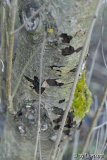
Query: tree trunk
[[66, 23]]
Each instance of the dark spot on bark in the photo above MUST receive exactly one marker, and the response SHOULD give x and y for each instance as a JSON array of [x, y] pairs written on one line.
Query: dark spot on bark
[[69, 120], [67, 126], [14, 57], [74, 69], [35, 83], [56, 66], [57, 120], [80, 125], [66, 132], [57, 110], [57, 127], [58, 70], [66, 38], [61, 101], [70, 114], [53, 82], [59, 84], [78, 49], [56, 43], [68, 51], [19, 113]]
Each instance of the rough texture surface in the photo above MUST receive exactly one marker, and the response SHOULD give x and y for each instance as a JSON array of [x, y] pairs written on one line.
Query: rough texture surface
[[69, 21]]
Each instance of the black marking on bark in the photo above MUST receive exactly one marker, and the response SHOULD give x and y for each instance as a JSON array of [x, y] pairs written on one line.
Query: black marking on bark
[[78, 49], [59, 119], [74, 69], [66, 38], [67, 126], [35, 83], [19, 113], [70, 114], [61, 101], [59, 84], [14, 57], [57, 127], [53, 82], [57, 110], [56, 66], [58, 70], [69, 120], [66, 132], [80, 125], [69, 50]]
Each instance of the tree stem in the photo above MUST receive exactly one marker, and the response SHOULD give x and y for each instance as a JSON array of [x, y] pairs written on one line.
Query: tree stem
[[9, 58]]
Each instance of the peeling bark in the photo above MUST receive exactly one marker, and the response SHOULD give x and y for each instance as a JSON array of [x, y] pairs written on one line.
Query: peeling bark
[[70, 21]]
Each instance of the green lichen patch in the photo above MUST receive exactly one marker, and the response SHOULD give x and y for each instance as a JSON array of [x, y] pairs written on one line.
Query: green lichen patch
[[82, 98]]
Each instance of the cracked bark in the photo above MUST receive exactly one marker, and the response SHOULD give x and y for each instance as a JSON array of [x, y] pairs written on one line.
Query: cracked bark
[[70, 21]]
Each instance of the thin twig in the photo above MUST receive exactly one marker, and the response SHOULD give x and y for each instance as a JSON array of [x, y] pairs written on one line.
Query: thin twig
[[9, 59], [39, 109], [75, 80], [23, 70], [94, 120], [40, 147], [100, 126], [34, 14]]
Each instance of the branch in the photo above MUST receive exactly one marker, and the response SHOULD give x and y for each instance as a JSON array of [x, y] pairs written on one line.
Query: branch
[[100, 126], [39, 109], [9, 59], [75, 80]]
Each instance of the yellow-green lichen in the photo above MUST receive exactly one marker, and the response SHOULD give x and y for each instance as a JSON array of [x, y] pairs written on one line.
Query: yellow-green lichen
[[82, 98]]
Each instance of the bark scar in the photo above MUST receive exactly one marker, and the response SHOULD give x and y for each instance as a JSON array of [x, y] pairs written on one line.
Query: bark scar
[[35, 83], [69, 50]]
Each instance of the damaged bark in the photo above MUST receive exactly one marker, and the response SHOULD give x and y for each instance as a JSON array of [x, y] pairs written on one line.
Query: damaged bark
[[69, 21]]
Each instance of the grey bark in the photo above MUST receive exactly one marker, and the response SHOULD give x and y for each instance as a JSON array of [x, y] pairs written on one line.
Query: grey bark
[[70, 21]]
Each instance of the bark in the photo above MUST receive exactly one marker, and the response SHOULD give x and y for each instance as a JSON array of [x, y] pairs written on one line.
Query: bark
[[70, 21]]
